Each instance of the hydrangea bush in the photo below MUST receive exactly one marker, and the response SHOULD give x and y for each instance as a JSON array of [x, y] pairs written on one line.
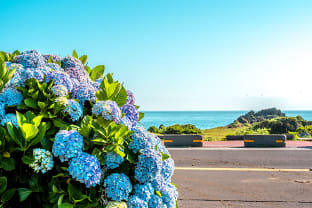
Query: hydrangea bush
[[70, 136]]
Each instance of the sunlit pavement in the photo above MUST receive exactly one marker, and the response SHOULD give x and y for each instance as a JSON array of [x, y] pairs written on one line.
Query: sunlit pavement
[[241, 144], [244, 177]]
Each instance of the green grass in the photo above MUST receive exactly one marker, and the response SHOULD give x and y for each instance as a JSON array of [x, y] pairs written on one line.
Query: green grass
[[219, 133]]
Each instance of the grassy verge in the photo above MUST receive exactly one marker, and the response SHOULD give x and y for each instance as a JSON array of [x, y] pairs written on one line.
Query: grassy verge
[[219, 133]]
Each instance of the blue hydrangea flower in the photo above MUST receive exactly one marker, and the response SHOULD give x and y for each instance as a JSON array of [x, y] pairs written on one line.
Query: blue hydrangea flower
[[117, 186], [84, 92], [9, 118], [2, 110], [135, 202], [148, 166], [67, 144], [167, 169], [158, 182], [12, 96], [75, 83], [43, 160], [71, 62], [30, 59], [78, 73], [59, 90], [131, 112], [169, 195], [113, 160], [126, 122], [130, 98], [116, 204], [86, 169], [55, 58], [108, 109], [74, 109], [54, 67], [60, 78], [143, 191], [156, 202], [141, 139]]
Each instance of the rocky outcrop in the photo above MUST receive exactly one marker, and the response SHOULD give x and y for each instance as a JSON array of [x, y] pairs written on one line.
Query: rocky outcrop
[[262, 115]]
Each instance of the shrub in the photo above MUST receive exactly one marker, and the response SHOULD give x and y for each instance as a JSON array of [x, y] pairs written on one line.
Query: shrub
[[175, 129], [70, 136]]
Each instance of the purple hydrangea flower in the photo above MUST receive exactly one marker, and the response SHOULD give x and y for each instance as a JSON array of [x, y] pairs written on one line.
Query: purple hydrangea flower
[[55, 58], [67, 144], [71, 62], [60, 78], [84, 92], [54, 67], [131, 112], [126, 122], [30, 59], [77, 73], [117, 186], [108, 109], [148, 166], [130, 98], [86, 169]]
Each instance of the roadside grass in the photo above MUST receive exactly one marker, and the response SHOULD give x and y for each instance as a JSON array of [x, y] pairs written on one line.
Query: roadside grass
[[219, 133]]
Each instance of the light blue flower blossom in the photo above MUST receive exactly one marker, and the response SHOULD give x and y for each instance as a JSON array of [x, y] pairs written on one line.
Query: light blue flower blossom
[[126, 122], [148, 166], [143, 191], [113, 160], [55, 67], [78, 73], [30, 59], [156, 202], [108, 109], [9, 118], [141, 139], [135, 202], [2, 110], [71, 62], [74, 109], [117, 186], [59, 90], [158, 182], [55, 58], [43, 160], [167, 169], [12, 96], [67, 144], [86, 169], [169, 195]]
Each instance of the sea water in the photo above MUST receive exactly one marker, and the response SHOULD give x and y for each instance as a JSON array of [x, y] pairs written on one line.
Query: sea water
[[202, 119]]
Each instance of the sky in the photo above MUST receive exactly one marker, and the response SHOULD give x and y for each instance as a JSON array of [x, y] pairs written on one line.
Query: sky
[[179, 54]]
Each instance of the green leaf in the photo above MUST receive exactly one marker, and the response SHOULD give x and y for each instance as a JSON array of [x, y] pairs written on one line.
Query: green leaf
[[74, 192], [141, 115], [30, 103], [131, 158], [20, 118], [175, 185], [50, 60], [158, 193], [3, 184], [121, 97], [59, 123], [7, 164], [13, 134], [23, 193], [6, 196], [75, 55], [27, 159], [29, 131], [40, 136], [30, 116], [97, 72], [164, 156], [65, 205], [41, 105], [36, 121], [83, 59]]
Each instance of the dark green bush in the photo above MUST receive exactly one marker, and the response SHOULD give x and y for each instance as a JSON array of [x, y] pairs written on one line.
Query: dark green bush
[[175, 129]]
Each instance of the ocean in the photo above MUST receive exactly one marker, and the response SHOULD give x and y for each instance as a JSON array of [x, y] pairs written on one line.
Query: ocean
[[202, 119]]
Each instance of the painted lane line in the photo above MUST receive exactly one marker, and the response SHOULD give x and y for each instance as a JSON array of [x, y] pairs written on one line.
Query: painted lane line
[[244, 169]]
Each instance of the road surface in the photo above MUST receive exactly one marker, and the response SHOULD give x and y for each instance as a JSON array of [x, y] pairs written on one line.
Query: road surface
[[238, 177]]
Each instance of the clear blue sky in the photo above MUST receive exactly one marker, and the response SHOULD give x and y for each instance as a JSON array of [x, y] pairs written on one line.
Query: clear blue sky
[[179, 54]]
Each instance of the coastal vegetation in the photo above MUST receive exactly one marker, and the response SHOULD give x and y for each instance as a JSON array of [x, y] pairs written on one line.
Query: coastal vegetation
[[175, 129]]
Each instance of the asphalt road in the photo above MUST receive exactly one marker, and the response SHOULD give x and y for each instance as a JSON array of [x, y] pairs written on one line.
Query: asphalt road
[[241, 184]]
